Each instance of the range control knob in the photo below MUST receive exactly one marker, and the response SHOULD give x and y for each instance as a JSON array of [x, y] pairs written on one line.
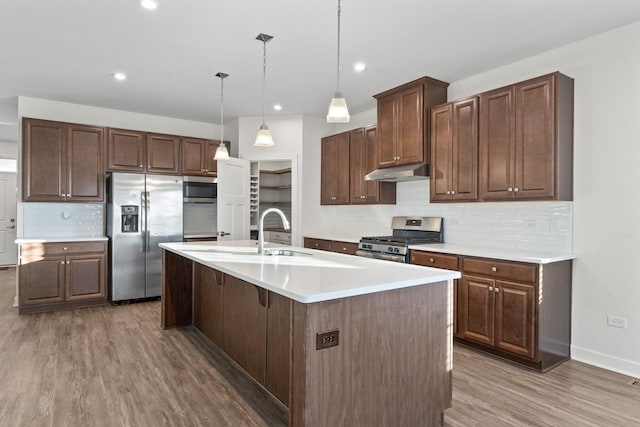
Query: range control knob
[[390, 249], [396, 250]]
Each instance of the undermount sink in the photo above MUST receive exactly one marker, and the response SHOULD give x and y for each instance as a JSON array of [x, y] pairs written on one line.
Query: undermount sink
[[284, 252]]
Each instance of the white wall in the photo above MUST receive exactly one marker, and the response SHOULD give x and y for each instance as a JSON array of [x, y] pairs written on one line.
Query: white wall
[[8, 150], [605, 229]]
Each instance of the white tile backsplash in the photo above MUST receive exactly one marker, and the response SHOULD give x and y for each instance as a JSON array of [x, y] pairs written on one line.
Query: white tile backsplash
[[539, 226], [63, 219]]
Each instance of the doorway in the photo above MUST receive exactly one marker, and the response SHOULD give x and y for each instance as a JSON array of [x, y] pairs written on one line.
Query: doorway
[[8, 247]]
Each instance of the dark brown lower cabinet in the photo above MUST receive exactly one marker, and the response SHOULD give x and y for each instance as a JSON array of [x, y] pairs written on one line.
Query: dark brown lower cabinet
[[207, 302], [337, 246], [516, 310], [244, 326], [54, 276]]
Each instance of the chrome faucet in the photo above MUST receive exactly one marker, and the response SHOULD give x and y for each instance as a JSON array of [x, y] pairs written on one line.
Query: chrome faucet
[[285, 224]]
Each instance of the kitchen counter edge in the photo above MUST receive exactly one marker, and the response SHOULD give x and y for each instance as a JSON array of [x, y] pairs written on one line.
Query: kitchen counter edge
[[24, 240]]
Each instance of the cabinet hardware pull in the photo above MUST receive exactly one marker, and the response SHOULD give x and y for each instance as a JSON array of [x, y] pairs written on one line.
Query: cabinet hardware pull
[[516, 189], [448, 192], [64, 249], [496, 289], [494, 269], [490, 288], [431, 260], [61, 262], [509, 189], [141, 166], [453, 192], [67, 262]]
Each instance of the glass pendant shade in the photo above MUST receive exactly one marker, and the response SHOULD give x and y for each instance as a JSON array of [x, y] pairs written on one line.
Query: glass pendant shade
[[221, 153], [338, 111], [264, 138]]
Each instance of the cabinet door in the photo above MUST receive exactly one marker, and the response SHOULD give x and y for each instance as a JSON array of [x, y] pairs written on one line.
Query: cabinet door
[[41, 280], [193, 156], [43, 161], [327, 176], [85, 163], [535, 143], [163, 154], [125, 150], [410, 124], [86, 277], [207, 302], [210, 164], [441, 151], [476, 304], [496, 144], [278, 346], [244, 320], [515, 318], [357, 166], [387, 117], [335, 170], [464, 169]]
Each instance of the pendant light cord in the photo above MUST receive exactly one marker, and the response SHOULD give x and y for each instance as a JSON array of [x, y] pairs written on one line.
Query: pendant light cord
[[338, 70], [222, 111], [264, 74]]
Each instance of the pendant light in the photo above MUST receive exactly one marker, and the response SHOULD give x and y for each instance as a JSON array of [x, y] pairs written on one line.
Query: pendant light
[[221, 152], [264, 138], [338, 111]]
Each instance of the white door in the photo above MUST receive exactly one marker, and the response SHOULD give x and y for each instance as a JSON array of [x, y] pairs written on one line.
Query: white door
[[233, 199], [8, 247]]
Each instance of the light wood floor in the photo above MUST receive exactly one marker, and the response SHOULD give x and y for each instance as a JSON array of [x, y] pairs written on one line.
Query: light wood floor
[[114, 366]]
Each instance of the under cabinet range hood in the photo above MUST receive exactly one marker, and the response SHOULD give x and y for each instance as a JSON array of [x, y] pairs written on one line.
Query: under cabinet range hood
[[414, 172]]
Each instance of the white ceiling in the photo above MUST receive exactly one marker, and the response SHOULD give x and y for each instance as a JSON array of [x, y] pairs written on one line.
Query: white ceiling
[[66, 50]]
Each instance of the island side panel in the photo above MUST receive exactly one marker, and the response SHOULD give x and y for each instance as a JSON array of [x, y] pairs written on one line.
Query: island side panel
[[177, 290], [392, 365], [278, 346]]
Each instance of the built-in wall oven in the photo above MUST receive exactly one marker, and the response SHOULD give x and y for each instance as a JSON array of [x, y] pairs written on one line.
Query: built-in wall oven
[[200, 194]]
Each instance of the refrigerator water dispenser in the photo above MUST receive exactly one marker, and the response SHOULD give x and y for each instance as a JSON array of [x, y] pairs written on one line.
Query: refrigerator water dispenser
[[130, 219]]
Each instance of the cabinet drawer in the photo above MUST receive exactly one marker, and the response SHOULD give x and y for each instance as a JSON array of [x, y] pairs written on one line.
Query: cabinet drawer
[[430, 259], [518, 272], [323, 245], [344, 247], [61, 248], [280, 237]]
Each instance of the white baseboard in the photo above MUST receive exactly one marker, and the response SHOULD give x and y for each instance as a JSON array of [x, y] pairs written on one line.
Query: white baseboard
[[605, 361]]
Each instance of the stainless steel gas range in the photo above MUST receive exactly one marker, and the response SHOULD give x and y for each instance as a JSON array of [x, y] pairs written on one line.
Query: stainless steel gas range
[[407, 230]]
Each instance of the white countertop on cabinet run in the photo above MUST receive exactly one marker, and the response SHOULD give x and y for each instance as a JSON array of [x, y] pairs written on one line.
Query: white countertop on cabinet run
[[520, 255], [58, 239], [317, 276]]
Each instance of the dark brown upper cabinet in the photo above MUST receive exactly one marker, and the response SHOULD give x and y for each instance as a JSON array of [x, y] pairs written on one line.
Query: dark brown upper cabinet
[[334, 183], [163, 154], [403, 118], [363, 159], [526, 140], [135, 151], [62, 162], [125, 150], [454, 151], [197, 157]]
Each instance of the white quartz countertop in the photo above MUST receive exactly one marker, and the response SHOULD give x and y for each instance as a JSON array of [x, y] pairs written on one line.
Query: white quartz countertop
[[57, 239], [519, 255], [316, 276], [340, 238]]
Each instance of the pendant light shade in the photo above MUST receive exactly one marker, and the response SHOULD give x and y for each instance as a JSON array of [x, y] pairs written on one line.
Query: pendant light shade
[[264, 137], [338, 111], [221, 152]]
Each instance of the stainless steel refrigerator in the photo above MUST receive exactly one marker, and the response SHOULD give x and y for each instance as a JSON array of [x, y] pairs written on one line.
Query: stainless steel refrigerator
[[142, 211]]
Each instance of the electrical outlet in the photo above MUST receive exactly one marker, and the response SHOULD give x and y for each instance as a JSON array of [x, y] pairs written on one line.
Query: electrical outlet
[[617, 322], [327, 339]]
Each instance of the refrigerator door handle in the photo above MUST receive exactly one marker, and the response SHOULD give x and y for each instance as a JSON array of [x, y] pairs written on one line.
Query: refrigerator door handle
[[143, 227]]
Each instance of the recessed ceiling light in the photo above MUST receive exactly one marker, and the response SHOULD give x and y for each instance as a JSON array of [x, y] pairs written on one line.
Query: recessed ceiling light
[[149, 4], [360, 66], [120, 76], [277, 107]]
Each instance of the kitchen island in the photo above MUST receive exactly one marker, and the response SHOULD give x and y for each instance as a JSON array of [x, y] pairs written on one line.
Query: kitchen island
[[338, 339]]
